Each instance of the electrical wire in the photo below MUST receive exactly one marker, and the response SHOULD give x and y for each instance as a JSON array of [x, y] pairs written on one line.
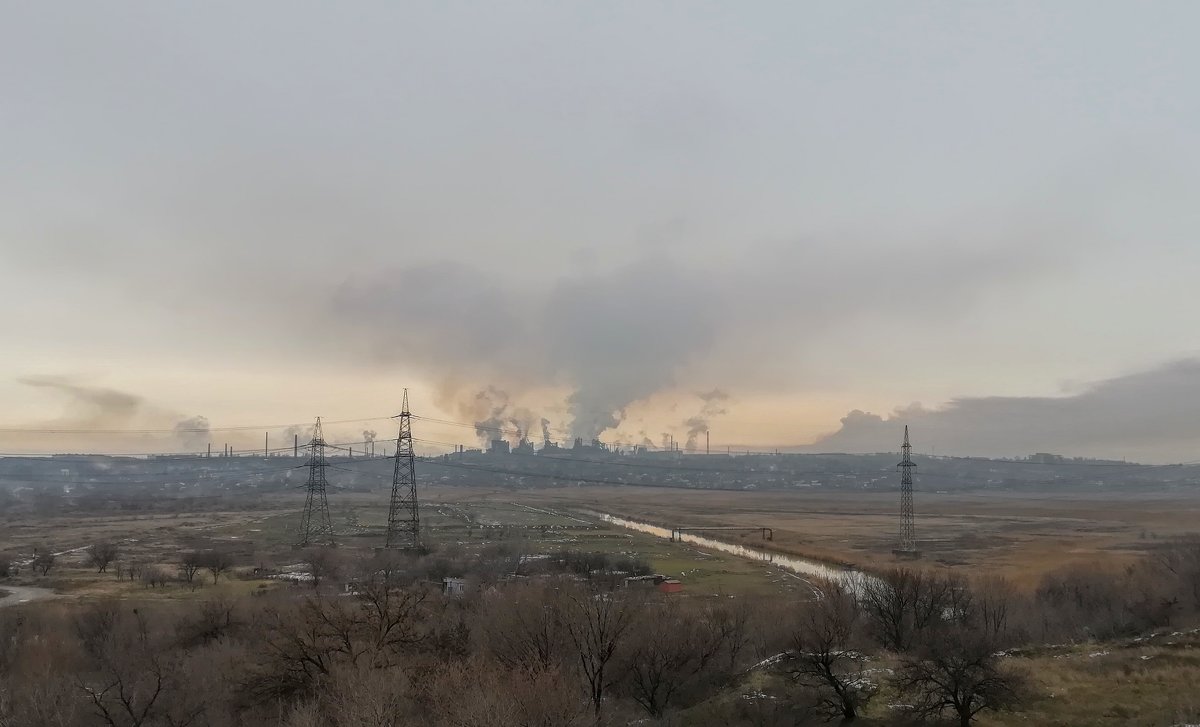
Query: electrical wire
[[186, 430]]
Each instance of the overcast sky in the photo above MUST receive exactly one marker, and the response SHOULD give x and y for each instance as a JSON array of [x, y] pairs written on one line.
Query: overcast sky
[[263, 212]]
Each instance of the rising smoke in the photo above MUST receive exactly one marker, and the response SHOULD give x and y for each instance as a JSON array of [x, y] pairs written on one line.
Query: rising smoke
[[90, 405], [104, 409], [194, 433], [299, 434], [713, 406], [496, 417], [614, 337]]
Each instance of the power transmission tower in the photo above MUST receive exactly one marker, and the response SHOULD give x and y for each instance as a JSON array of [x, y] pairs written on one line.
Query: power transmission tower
[[908, 535], [404, 522], [316, 527]]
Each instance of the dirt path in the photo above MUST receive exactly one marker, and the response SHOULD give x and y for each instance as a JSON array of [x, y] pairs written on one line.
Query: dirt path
[[17, 595]]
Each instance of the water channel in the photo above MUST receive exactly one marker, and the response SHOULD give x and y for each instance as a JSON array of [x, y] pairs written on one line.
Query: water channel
[[845, 576]]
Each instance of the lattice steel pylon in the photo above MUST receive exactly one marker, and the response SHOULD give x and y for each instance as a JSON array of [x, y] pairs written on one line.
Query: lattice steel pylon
[[404, 521], [908, 534], [316, 527]]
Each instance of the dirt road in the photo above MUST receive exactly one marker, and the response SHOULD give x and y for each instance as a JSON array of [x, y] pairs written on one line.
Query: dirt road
[[24, 594]]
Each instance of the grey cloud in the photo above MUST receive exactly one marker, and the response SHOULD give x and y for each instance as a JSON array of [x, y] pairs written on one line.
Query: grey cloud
[[1147, 415], [92, 405]]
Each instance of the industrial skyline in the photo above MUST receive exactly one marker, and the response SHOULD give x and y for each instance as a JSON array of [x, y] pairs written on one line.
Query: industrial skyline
[[604, 231]]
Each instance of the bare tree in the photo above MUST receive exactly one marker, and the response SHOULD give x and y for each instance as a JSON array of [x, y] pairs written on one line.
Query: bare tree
[[393, 619], [155, 577], [671, 650], [218, 561], [43, 561], [126, 676], [35, 685], [215, 618], [306, 643], [1180, 562], [598, 623], [732, 624], [903, 603], [1085, 600], [526, 628], [957, 671], [190, 564], [995, 600], [823, 656], [101, 555], [322, 564]]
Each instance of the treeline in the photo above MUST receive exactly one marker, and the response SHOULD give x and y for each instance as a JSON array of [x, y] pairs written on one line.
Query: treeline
[[375, 643]]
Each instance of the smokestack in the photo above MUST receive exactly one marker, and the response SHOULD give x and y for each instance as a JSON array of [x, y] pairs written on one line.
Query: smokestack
[[209, 450], [295, 445], [706, 442], [266, 446]]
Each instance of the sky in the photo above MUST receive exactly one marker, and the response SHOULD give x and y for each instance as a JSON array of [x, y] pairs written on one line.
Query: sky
[[795, 225]]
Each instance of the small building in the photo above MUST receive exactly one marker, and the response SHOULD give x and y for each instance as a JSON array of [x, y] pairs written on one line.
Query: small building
[[670, 585], [500, 446], [454, 587], [643, 581]]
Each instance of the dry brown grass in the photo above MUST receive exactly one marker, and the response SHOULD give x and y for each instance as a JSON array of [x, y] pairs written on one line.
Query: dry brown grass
[[1018, 535], [1150, 684]]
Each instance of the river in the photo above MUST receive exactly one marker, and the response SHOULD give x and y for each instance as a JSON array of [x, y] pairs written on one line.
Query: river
[[844, 576]]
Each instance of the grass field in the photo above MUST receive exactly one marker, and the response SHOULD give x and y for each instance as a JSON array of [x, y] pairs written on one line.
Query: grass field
[[462, 519], [1019, 535]]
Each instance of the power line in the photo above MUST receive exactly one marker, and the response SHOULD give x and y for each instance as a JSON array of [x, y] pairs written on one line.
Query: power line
[[181, 456], [158, 477], [181, 430], [144, 456]]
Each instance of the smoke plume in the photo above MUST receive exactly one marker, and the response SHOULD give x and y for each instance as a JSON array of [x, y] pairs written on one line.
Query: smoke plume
[[496, 417], [615, 336], [713, 406], [90, 405], [193, 433], [300, 434]]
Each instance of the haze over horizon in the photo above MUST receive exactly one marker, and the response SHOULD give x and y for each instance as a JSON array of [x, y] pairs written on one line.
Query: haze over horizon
[[785, 223]]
